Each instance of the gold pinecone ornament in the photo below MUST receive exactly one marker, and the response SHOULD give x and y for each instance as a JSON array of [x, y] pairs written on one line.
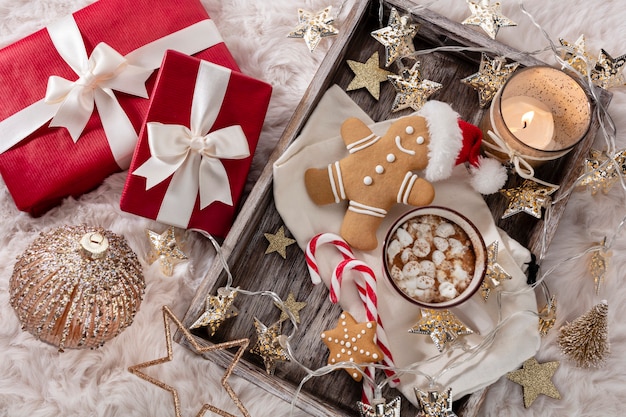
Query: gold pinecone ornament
[[77, 286]]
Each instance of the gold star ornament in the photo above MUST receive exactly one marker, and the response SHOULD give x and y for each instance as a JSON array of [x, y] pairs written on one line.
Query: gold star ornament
[[607, 71], [491, 76], [397, 36], [217, 309], [536, 379], [601, 173], [312, 27], [598, 265], [411, 89], [380, 408], [547, 316], [528, 198], [268, 345], [292, 306], [575, 54], [278, 242], [368, 75], [165, 248], [488, 16], [495, 274], [434, 403], [442, 326]]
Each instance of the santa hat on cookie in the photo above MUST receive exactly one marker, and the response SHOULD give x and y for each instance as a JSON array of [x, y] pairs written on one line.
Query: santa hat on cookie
[[454, 141]]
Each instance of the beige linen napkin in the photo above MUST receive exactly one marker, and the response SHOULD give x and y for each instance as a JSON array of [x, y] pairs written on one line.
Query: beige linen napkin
[[516, 338]]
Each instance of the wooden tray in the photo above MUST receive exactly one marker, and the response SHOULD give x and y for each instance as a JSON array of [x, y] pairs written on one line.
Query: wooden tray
[[336, 394]]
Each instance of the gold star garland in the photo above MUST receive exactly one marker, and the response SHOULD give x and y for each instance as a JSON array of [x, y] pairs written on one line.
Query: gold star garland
[[165, 248], [268, 345], [536, 379], [278, 242], [397, 37], [528, 198], [547, 316], [380, 408], [607, 72], [442, 326], [434, 403], [495, 274], [312, 27], [217, 309], [412, 90], [368, 75], [598, 265], [491, 76], [575, 54], [488, 16], [600, 175]]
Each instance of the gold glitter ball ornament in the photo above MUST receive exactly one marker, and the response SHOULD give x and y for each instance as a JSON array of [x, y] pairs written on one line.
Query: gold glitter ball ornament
[[77, 286]]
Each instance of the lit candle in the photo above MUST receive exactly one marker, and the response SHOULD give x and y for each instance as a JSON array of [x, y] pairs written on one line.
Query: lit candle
[[529, 120]]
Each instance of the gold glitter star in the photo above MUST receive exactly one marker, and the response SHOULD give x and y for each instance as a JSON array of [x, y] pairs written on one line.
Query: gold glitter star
[[368, 75], [536, 378], [313, 27], [495, 274], [290, 304], [607, 72], [441, 325], [379, 408], [241, 343], [491, 75], [488, 16], [278, 242], [529, 198], [412, 90], [547, 316], [575, 54], [397, 36], [165, 249], [599, 264], [434, 403], [600, 175], [217, 309], [268, 345]]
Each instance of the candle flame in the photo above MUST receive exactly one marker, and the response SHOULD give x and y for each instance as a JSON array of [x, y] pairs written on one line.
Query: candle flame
[[527, 118]]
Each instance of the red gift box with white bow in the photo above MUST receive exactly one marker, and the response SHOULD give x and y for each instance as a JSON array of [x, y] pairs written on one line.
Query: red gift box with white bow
[[196, 147], [76, 92]]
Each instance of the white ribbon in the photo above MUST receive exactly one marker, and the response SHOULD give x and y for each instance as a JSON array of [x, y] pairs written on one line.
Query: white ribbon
[[192, 155], [70, 103]]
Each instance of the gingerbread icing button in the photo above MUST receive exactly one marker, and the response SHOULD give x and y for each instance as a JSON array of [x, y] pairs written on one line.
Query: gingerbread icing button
[[409, 130], [368, 180], [391, 157], [379, 169]]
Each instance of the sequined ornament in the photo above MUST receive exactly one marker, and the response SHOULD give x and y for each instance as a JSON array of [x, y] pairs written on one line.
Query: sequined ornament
[[278, 242], [607, 72], [491, 76], [76, 286], [312, 27], [412, 90], [217, 309], [488, 16], [575, 54], [536, 379], [442, 326], [547, 316], [368, 75], [291, 305], [268, 345], [495, 274], [528, 198], [585, 340], [599, 264], [397, 36], [600, 174], [241, 344], [165, 248], [434, 403], [380, 408]]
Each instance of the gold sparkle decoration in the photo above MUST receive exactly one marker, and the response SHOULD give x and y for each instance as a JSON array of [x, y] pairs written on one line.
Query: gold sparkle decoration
[[312, 27], [137, 370], [412, 90], [368, 75], [495, 274], [380, 408], [397, 36], [491, 76], [217, 309], [599, 264], [600, 173], [585, 340], [528, 198], [547, 316], [575, 54], [442, 326], [488, 16], [607, 71], [278, 242], [291, 305], [536, 379], [165, 248], [268, 345], [434, 403]]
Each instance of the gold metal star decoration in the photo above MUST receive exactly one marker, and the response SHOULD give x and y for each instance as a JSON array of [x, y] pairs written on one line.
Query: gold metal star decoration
[[291, 305], [599, 264], [278, 242], [495, 274], [547, 316], [412, 90], [491, 76], [528, 198], [217, 308], [397, 36], [488, 16], [607, 72], [380, 408], [536, 379], [442, 326], [241, 344], [434, 403], [600, 173], [313, 27], [368, 75], [575, 54], [165, 248], [268, 345]]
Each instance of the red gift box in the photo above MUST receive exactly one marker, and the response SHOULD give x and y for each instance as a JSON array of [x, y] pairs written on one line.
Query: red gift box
[[41, 167], [195, 150]]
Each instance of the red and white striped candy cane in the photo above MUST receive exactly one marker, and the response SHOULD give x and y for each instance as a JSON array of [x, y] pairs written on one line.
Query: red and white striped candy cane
[[314, 244]]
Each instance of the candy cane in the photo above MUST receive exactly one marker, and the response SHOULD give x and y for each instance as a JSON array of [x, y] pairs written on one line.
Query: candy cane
[[315, 243]]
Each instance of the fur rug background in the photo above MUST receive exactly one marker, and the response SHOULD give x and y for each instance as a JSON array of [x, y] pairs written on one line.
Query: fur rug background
[[37, 381]]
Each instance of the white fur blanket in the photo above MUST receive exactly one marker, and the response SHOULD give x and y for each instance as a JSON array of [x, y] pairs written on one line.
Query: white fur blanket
[[37, 381]]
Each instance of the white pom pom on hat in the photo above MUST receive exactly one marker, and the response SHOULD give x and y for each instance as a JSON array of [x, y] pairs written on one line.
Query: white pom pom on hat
[[454, 141]]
